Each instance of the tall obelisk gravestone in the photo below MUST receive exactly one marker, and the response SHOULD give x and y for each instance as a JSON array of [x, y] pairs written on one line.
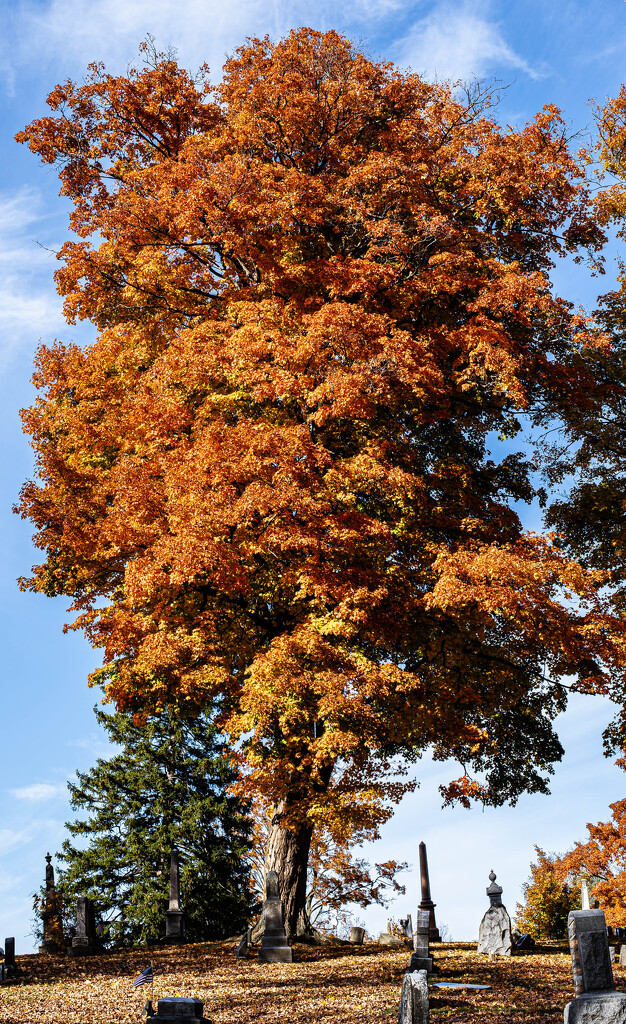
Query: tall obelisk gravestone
[[52, 940], [426, 903], [174, 918]]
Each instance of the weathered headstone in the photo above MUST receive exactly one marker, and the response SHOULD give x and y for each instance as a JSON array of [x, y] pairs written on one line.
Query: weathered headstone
[[596, 1000], [274, 943], [356, 935], [406, 924], [426, 903], [174, 917], [414, 999], [9, 968], [622, 956], [494, 934], [584, 897], [421, 959], [52, 940], [85, 940], [178, 1010]]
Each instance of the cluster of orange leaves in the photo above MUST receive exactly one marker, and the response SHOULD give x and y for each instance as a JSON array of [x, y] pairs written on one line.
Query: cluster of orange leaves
[[337, 985], [601, 861]]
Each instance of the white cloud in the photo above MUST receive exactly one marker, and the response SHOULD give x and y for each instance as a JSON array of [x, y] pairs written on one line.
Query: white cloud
[[40, 791], [69, 33], [453, 42], [29, 305], [11, 839]]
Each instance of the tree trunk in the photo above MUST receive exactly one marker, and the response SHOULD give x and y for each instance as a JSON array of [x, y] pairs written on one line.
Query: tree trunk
[[287, 853]]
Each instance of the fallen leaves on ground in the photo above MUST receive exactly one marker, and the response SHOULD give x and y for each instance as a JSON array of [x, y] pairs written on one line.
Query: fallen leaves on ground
[[342, 985]]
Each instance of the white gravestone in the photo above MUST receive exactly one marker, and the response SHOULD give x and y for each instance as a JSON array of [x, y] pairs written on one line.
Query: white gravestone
[[584, 897]]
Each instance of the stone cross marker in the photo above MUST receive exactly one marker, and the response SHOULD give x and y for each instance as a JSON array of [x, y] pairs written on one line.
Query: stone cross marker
[[84, 942], [426, 903], [174, 917], [414, 999], [274, 944], [421, 959], [494, 934], [596, 999]]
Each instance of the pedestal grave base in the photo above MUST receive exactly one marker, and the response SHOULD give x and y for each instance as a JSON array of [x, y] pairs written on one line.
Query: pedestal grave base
[[597, 1008]]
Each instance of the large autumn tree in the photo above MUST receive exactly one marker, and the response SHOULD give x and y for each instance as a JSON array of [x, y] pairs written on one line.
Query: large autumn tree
[[321, 292]]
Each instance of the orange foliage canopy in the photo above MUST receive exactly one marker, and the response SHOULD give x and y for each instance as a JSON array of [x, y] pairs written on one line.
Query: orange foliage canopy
[[321, 291], [601, 861]]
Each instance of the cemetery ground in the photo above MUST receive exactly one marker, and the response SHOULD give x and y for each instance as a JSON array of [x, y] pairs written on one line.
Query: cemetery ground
[[325, 985]]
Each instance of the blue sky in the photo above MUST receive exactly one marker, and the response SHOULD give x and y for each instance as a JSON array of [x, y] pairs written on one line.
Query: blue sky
[[545, 52]]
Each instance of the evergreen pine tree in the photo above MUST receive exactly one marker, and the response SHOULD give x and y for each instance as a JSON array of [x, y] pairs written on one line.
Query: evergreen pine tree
[[165, 788]]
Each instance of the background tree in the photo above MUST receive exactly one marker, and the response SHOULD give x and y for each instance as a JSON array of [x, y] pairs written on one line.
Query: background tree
[[547, 899], [601, 861], [166, 788], [320, 289]]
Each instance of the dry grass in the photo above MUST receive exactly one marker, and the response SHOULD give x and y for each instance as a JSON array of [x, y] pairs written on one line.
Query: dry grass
[[344, 985]]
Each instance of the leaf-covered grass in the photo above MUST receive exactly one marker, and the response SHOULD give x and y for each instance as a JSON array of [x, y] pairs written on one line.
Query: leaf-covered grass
[[342, 985]]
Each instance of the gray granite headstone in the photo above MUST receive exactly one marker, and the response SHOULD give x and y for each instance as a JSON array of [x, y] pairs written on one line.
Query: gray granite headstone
[[356, 935], [85, 940], [596, 1000], [178, 1010], [414, 999], [589, 947], [274, 943], [9, 968], [421, 959]]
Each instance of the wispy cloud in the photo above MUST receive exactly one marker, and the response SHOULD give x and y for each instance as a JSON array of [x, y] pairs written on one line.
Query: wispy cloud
[[39, 791], [62, 31], [29, 305], [454, 42], [11, 839]]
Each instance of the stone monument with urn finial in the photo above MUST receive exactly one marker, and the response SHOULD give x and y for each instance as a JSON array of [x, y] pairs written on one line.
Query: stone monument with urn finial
[[52, 939], [494, 934]]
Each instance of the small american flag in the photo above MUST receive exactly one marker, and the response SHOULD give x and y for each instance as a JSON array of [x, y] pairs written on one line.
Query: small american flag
[[145, 977]]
